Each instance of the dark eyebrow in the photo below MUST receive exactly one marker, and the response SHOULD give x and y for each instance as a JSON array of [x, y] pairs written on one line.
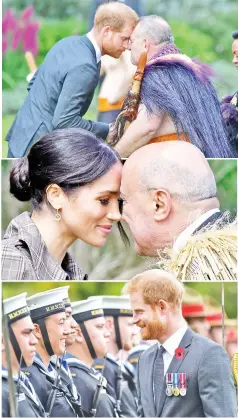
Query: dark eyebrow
[[108, 192], [28, 330]]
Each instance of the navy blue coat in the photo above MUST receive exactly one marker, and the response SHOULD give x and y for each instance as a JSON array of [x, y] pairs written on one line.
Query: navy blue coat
[[60, 93]]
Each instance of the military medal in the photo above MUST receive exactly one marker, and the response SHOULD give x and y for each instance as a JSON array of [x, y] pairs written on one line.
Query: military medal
[[176, 391], [183, 384], [169, 384]]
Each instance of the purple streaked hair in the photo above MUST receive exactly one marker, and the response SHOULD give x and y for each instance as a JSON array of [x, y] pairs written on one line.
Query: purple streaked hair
[[183, 90]]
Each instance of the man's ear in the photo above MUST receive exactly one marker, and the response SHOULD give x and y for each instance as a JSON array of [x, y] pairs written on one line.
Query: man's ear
[[162, 306], [109, 324], [146, 45], [162, 204], [79, 335], [105, 31], [37, 331]]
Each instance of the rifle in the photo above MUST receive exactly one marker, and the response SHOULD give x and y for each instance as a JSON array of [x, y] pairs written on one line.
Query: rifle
[[53, 392], [119, 391], [12, 398], [98, 391]]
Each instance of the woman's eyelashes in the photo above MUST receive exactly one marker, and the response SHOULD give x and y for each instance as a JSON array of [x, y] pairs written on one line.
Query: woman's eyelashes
[[104, 202]]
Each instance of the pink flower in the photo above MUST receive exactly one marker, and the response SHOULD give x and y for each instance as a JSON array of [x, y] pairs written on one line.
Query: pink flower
[[9, 22], [23, 30], [28, 13], [30, 42], [16, 39], [4, 46]]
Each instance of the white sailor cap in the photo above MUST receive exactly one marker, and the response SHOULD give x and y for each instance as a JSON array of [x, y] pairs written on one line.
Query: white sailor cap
[[66, 298], [115, 305], [46, 303], [16, 308], [87, 309]]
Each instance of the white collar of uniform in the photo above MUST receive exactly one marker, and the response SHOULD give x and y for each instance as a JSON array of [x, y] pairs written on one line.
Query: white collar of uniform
[[182, 239], [96, 47], [173, 342]]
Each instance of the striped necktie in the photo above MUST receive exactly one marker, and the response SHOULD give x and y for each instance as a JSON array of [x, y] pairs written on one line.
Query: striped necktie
[[158, 375]]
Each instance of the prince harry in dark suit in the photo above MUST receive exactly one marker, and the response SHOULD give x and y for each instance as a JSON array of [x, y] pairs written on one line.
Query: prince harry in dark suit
[[184, 374], [62, 89]]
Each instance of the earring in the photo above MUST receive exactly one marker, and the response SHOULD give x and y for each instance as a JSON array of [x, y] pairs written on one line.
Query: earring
[[57, 215]]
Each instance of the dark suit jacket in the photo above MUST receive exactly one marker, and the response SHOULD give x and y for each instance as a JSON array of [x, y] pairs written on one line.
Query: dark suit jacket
[[210, 387], [60, 93]]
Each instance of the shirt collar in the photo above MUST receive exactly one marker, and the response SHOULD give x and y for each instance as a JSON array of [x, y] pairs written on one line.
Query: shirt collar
[[96, 47], [182, 239], [173, 342]]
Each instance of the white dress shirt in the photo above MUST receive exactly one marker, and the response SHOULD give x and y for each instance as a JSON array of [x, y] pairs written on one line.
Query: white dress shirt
[[182, 239], [170, 346], [96, 47]]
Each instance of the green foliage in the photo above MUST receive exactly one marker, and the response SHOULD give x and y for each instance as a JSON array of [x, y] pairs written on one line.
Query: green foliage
[[80, 291], [52, 31], [13, 99], [6, 124], [226, 179], [219, 27], [215, 290], [59, 9], [14, 65], [193, 42]]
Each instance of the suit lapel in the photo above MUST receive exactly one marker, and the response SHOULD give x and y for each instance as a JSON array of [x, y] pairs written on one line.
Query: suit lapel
[[175, 366]]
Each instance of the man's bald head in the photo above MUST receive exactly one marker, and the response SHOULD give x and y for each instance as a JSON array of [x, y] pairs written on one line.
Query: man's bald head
[[155, 29], [177, 166]]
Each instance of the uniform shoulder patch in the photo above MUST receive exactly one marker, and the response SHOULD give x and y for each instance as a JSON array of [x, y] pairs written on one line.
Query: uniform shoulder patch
[[133, 360], [27, 373], [73, 374]]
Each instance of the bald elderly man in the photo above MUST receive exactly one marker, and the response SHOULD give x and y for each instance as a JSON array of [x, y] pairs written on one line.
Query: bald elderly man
[[171, 198], [177, 99]]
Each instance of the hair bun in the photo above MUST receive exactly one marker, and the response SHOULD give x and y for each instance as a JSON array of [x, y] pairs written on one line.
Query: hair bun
[[20, 185]]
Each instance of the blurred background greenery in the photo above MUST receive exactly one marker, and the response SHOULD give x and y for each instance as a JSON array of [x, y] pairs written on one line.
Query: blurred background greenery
[[202, 28], [114, 261], [83, 290]]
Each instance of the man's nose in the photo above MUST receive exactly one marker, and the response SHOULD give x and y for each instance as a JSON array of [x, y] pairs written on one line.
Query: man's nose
[[33, 340], [67, 329]]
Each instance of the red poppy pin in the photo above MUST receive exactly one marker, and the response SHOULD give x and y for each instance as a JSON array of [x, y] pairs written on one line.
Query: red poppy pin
[[179, 353]]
